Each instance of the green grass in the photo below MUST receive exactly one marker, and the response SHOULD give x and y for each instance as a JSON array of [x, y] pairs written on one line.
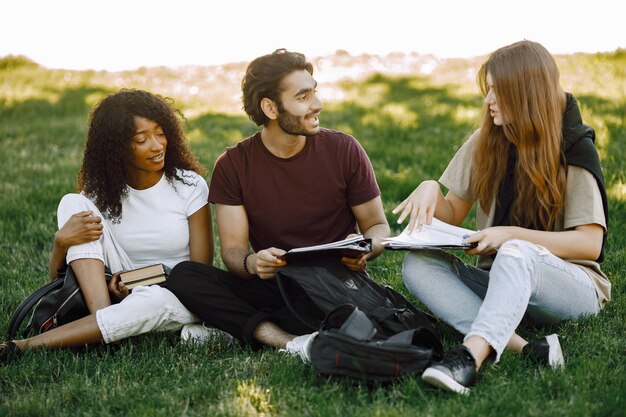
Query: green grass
[[410, 125]]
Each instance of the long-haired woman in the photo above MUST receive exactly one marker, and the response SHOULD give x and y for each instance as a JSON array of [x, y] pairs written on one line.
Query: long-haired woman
[[535, 176], [142, 201]]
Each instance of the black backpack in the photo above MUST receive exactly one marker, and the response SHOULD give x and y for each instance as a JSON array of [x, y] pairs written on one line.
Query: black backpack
[[348, 346], [55, 304], [313, 291], [367, 332]]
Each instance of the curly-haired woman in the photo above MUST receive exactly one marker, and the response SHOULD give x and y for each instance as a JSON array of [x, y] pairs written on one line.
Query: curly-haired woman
[[542, 212], [142, 201]]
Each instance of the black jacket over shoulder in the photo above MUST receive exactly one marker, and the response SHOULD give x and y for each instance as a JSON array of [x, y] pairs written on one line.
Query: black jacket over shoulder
[[577, 149]]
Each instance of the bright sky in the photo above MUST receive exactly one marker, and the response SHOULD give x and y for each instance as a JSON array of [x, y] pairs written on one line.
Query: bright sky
[[126, 34]]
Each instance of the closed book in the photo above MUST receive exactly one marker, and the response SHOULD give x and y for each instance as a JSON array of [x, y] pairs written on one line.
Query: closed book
[[147, 275]]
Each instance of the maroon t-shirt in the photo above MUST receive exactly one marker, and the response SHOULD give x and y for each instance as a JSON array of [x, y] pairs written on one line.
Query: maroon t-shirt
[[299, 201]]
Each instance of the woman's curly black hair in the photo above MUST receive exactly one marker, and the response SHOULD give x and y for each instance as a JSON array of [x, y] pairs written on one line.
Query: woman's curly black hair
[[103, 174]]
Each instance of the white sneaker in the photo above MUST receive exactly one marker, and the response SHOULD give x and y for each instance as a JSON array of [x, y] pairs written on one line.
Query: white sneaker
[[301, 346], [200, 333]]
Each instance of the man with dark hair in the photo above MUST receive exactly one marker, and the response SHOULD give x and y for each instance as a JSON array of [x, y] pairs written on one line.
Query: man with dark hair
[[292, 184]]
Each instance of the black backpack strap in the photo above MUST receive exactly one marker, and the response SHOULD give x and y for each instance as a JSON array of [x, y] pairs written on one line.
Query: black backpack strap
[[299, 303], [26, 306]]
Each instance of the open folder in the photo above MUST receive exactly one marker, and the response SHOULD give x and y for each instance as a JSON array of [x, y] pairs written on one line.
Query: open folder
[[437, 235], [354, 247]]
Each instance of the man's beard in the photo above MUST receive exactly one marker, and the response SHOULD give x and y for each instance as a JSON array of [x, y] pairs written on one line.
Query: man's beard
[[293, 125]]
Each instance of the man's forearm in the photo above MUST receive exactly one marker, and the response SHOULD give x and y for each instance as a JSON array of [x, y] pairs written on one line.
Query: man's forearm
[[376, 233], [234, 260]]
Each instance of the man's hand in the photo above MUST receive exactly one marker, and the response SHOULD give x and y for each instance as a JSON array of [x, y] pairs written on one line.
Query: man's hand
[[117, 289], [265, 262], [355, 264]]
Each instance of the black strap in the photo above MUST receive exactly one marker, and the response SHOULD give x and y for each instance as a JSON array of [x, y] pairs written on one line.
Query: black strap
[[26, 306]]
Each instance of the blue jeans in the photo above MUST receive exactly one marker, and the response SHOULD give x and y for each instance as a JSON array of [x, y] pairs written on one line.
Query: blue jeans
[[524, 278]]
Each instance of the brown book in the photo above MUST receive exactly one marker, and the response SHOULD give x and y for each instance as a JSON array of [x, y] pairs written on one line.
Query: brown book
[[147, 275]]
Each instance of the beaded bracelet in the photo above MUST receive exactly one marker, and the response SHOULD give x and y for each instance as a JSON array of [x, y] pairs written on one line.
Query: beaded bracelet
[[245, 265]]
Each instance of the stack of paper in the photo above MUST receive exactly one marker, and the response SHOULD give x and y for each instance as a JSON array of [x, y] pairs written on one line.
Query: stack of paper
[[352, 248], [437, 235]]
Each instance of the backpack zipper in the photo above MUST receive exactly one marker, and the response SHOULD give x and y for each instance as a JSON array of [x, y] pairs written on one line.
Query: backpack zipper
[[54, 316]]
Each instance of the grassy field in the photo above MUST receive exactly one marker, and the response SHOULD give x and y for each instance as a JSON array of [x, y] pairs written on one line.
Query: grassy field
[[410, 121]]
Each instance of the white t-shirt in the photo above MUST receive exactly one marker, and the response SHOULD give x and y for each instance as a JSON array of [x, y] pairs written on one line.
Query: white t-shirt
[[154, 227]]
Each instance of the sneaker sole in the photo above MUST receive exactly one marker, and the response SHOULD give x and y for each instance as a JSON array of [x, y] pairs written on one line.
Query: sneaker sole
[[441, 380], [555, 357], [301, 347], [202, 337]]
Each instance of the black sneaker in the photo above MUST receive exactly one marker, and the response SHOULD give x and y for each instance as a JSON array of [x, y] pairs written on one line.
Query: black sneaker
[[546, 351], [455, 372], [8, 352]]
